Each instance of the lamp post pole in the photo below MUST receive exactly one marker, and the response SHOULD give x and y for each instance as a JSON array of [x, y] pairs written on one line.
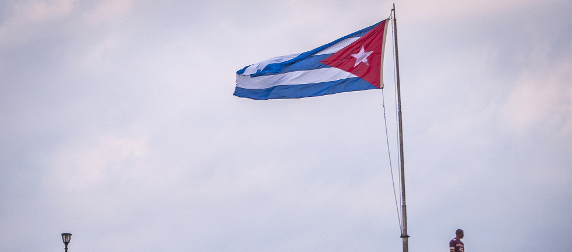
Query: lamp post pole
[[66, 237]]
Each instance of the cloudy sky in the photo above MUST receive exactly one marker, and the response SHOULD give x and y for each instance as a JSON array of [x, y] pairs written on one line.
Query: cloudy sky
[[118, 125]]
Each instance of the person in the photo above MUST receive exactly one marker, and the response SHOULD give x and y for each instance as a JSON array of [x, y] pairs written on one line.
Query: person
[[456, 245]]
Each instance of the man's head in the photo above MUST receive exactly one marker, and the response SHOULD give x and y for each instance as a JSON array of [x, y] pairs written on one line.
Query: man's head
[[460, 234]]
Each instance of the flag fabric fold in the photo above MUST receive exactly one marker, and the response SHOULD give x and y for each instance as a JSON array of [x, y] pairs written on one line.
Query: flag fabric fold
[[351, 63]]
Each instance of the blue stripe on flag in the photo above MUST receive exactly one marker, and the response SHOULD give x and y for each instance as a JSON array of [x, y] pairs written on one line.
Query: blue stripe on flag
[[304, 90], [309, 63]]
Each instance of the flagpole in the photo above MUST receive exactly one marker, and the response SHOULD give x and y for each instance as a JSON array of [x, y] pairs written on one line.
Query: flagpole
[[404, 235]]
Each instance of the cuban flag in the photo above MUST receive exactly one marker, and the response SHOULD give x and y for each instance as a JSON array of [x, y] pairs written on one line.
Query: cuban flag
[[351, 63]]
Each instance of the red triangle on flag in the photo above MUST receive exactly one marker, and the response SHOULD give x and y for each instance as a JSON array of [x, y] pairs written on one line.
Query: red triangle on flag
[[363, 57]]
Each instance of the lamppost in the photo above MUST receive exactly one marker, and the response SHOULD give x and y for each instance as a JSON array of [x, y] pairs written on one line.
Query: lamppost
[[66, 237]]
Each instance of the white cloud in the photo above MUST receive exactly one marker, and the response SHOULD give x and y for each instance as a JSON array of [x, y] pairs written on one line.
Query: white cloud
[[94, 57], [108, 10], [447, 10], [541, 98], [42, 10], [25, 19], [92, 163]]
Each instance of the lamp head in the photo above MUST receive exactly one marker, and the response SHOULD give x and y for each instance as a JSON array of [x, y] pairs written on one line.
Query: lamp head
[[66, 237]]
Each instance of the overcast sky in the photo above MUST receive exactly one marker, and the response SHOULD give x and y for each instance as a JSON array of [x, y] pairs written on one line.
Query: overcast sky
[[118, 125]]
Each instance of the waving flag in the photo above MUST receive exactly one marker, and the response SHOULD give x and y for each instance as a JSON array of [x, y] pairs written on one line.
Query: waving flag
[[350, 63]]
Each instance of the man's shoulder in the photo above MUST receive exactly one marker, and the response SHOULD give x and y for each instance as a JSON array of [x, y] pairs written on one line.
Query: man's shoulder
[[455, 242]]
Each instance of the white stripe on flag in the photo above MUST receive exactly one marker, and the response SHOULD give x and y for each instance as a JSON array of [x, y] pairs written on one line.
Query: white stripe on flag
[[292, 78], [338, 46]]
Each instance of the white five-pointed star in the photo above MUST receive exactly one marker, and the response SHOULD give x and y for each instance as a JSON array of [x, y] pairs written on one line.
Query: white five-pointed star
[[361, 56]]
